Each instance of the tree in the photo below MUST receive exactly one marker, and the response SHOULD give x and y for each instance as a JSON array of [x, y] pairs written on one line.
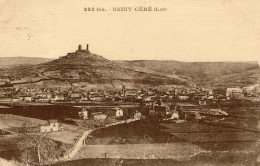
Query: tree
[[37, 148]]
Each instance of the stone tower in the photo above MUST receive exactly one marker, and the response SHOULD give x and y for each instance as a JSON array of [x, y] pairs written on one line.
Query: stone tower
[[80, 47], [87, 47]]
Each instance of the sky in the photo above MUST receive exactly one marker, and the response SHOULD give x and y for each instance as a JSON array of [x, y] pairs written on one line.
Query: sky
[[190, 30]]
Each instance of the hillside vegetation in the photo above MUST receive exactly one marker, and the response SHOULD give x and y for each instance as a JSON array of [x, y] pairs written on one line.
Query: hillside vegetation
[[210, 74]]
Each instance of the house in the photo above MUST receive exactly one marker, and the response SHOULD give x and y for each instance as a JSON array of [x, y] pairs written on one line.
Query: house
[[83, 114], [43, 100], [115, 112], [191, 115], [58, 98], [98, 116], [41, 95], [27, 98], [183, 97], [117, 97], [48, 95], [202, 102], [152, 112], [84, 99], [162, 104], [151, 93], [175, 115], [149, 101], [234, 93], [137, 115], [134, 114], [161, 109], [75, 95], [16, 99], [130, 92], [250, 91], [97, 98], [53, 125]]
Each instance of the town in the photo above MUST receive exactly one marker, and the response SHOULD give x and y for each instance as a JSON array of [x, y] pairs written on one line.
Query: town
[[112, 118]]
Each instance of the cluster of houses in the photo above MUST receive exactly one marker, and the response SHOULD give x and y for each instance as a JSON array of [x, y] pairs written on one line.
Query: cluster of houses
[[184, 111], [237, 93], [52, 125], [128, 95], [113, 113]]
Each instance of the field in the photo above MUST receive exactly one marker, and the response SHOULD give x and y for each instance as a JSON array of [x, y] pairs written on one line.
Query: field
[[10, 121], [236, 135], [203, 159], [177, 151]]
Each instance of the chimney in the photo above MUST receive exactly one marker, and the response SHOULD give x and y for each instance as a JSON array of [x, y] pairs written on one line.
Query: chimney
[[79, 47], [87, 47]]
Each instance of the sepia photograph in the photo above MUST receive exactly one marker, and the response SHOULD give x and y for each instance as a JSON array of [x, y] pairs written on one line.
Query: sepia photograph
[[129, 83]]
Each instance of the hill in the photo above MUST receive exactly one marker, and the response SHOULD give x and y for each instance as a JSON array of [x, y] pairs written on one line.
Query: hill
[[209, 74], [83, 68], [14, 61]]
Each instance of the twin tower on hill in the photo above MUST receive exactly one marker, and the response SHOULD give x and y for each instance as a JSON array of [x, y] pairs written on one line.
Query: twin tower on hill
[[80, 51], [80, 48]]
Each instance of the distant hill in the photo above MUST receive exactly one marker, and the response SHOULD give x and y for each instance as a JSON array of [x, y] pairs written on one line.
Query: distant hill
[[210, 74], [13, 61]]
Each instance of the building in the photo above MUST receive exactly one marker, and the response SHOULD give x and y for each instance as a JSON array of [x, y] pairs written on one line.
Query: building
[[26, 98], [75, 95], [16, 99], [137, 115], [183, 97], [191, 115], [83, 114], [234, 93], [134, 114], [175, 115], [202, 102], [43, 100], [115, 112], [58, 98], [250, 90], [161, 109], [98, 116], [53, 125], [97, 98]]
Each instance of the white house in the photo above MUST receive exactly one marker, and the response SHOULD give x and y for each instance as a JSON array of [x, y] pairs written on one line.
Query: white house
[[17, 99], [119, 112], [115, 112], [53, 125], [137, 115], [234, 93], [183, 97], [83, 114], [27, 98]]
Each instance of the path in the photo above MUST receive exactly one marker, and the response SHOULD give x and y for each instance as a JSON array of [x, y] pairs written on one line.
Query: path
[[80, 141]]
